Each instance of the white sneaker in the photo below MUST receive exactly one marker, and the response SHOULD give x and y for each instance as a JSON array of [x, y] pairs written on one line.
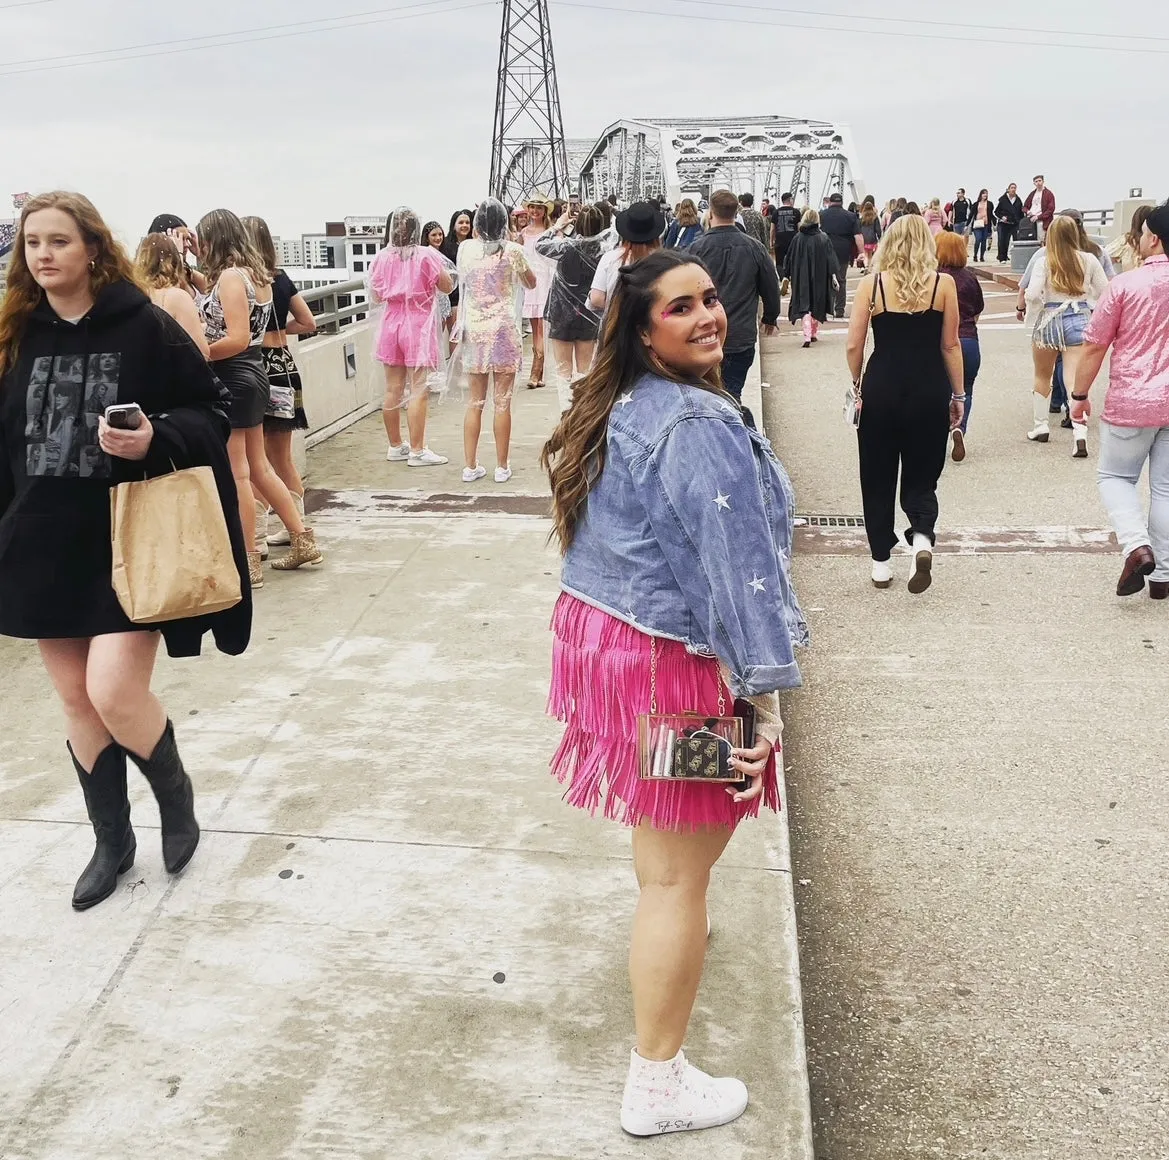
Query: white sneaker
[[674, 1096], [471, 474], [502, 474], [398, 454], [882, 574], [426, 458], [1040, 433]]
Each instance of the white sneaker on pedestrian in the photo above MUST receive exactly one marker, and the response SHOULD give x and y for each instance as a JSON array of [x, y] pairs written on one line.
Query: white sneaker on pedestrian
[[399, 454], [471, 474], [882, 574], [426, 458], [674, 1096], [502, 474], [1079, 441]]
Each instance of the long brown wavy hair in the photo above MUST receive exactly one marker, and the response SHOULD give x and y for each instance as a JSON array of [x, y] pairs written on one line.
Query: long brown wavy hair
[[574, 456], [224, 243], [110, 264]]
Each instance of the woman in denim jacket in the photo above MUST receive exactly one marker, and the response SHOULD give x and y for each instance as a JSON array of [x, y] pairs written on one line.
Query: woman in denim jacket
[[675, 520]]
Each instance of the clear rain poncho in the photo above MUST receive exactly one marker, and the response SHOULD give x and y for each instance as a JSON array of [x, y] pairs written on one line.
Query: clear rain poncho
[[403, 282], [491, 269]]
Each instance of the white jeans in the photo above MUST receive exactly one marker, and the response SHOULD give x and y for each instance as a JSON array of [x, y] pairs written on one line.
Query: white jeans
[[1123, 452]]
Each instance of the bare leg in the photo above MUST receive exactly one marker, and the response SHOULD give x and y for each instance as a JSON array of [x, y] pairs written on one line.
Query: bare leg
[[417, 399], [268, 484], [118, 675], [562, 353], [1071, 360], [65, 662], [238, 454], [669, 932], [504, 392], [392, 404], [584, 356], [537, 375], [1044, 361], [473, 419], [278, 448]]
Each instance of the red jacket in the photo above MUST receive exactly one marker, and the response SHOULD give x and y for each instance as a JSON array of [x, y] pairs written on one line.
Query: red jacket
[[1046, 206]]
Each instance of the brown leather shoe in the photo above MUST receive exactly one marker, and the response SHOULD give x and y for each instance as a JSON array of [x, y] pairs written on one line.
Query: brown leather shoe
[[1137, 565], [1158, 589]]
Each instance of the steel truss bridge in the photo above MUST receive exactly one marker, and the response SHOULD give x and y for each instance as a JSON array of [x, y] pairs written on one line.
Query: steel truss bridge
[[692, 156]]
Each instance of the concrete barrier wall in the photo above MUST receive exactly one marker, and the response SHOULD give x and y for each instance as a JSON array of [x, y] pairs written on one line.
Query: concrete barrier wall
[[339, 376], [342, 384]]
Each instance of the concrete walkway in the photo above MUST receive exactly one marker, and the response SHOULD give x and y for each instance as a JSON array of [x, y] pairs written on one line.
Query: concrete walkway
[[979, 802], [395, 941]]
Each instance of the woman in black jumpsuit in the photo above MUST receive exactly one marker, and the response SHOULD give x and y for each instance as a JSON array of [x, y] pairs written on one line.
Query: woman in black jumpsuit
[[911, 394]]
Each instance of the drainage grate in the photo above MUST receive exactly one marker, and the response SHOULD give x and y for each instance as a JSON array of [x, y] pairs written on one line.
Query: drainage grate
[[832, 521]]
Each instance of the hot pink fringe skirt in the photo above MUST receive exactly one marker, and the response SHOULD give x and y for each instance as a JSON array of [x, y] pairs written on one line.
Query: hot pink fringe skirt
[[600, 684]]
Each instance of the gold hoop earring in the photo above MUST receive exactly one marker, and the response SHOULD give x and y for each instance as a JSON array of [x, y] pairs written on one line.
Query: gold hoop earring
[[92, 266]]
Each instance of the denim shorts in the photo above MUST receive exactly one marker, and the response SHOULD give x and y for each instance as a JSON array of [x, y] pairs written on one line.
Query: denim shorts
[[1061, 324]]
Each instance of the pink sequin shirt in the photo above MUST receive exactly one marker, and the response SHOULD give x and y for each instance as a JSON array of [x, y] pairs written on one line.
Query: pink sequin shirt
[[1132, 317]]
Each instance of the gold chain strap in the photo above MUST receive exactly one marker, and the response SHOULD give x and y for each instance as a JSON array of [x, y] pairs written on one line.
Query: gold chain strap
[[653, 675], [653, 682]]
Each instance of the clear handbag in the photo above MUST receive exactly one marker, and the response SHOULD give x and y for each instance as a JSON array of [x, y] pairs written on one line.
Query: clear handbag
[[687, 746]]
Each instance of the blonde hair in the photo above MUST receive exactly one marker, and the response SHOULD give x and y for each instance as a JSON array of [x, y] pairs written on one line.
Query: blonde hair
[[810, 218], [159, 264], [908, 256], [935, 203], [1065, 267]]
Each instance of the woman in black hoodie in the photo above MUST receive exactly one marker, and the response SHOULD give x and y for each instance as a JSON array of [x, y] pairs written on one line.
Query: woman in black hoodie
[[76, 335]]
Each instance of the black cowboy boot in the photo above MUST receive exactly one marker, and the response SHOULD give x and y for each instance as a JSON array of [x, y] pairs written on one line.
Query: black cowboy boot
[[176, 800], [109, 811]]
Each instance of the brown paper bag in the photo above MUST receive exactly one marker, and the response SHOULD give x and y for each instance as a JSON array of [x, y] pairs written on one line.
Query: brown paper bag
[[172, 553]]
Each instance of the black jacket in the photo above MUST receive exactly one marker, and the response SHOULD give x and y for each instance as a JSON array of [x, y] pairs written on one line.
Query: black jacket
[[811, 264], [55, 481], [1011, 210], [744, 273], [841, 226]]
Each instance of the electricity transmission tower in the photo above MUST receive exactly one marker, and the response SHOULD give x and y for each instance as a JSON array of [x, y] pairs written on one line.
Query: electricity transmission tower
[[527, 148]]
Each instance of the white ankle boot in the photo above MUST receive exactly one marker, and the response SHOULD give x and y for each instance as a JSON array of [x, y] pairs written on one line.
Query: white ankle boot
[[674, 1096], [1041, 432], [282, 539], [923, 562], [1079, 440], [882, 574]]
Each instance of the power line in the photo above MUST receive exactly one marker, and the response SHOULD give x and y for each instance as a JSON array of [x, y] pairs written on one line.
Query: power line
[[26, 4], [933, 23], [16, 68], [1028, 44], [227, 37]]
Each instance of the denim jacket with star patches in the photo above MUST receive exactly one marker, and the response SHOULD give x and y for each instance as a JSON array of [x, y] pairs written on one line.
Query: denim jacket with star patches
[[687, 534]]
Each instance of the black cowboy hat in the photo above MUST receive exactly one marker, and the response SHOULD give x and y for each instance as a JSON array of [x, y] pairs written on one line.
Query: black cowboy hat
[[641, 223]]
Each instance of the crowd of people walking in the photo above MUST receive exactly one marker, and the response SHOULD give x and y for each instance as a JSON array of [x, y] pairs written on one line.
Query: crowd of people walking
[[673, 514]]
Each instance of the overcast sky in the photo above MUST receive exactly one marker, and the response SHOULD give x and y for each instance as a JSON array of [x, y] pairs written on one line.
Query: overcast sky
[[355, 121]]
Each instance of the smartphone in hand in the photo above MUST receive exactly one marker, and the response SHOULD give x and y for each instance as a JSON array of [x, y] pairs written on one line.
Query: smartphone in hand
[[124, 416]]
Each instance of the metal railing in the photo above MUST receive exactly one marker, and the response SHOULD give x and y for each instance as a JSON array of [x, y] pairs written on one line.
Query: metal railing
[[333, 306], [1096, 221]]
